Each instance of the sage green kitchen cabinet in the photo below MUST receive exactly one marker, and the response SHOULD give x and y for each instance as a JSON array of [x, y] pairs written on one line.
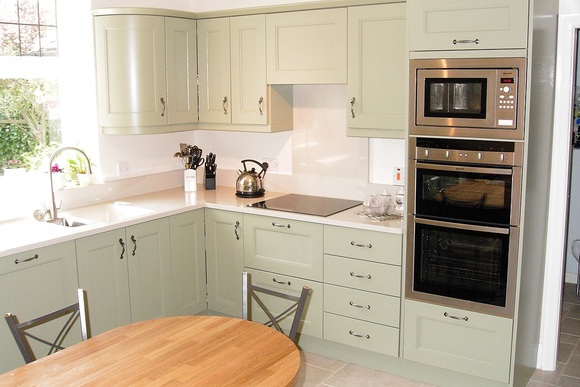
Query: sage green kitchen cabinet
[[127, 274], [225, 262], [467, 342], [284, 246], [312, 319], [307, 47], [146, 73], [377, 71], [362, 288], [187, 232], [467, 25], [33, 283], [233, 94]]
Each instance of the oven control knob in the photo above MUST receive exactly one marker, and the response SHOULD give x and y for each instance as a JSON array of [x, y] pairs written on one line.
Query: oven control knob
[[501, 157], [446, 154], [426, 152], [506, 89], [479, 156]]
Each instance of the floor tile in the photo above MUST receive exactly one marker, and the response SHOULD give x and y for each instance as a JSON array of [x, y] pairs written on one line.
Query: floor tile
[[565, 351], [353, 375], [311, 376], [567, 381], [572, 368], [549, 377], [326, 363], [570, 339]]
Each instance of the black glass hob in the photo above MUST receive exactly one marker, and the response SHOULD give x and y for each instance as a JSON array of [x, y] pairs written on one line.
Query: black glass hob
[[305, 204]]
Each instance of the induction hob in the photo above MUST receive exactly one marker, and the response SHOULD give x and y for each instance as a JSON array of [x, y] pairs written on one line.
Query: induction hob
[[305, 204]]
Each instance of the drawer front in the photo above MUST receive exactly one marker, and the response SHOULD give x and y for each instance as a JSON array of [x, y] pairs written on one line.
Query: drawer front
[[312, 318], [363, 275], [468, 342], [367, 306], [368, 245], [283, 246], [361, 334]]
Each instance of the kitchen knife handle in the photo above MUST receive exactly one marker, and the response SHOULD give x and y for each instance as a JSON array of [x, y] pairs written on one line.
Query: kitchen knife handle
[[163, 103], [260, 101]]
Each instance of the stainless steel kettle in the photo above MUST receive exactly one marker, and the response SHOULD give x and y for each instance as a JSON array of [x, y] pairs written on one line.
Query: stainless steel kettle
[[249, 183]]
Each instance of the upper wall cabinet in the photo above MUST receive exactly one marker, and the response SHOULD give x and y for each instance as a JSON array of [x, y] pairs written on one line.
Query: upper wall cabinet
[[146, 73], [468, 25], [377, 71], [307, 47], [232, 78]]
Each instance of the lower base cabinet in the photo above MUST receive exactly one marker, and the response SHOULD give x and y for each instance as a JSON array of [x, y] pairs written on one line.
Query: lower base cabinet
[[467, 342], [33, 283]]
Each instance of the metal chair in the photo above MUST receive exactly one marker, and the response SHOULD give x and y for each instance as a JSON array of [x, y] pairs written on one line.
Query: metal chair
[[296, 307], [77, 311]]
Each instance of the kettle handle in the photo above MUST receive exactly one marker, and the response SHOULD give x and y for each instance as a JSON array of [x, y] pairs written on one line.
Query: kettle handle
[[263, 165]]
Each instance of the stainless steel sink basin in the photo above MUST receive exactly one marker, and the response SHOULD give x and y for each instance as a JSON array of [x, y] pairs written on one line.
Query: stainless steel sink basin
[[69, 222]]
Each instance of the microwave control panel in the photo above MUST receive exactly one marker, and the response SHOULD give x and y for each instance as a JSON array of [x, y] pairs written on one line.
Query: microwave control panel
[[507, 88]]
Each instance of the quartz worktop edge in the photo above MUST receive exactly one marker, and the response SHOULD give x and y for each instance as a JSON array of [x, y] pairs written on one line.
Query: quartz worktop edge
[[26, 234]]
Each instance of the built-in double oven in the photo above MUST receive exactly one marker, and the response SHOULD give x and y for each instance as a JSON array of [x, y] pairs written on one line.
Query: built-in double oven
[[464, 183]]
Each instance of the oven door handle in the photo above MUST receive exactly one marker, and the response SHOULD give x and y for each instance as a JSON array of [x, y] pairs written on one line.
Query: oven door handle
[[461, 168], [463, 226]]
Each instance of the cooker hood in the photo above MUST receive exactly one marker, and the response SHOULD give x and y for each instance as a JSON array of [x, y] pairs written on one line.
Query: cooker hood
[[308, 205]]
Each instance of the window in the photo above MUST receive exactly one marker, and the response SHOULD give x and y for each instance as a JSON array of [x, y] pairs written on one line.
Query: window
[[29, 93]]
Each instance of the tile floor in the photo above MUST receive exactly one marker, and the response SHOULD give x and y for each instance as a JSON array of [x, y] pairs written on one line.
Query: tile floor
[[321, 371]]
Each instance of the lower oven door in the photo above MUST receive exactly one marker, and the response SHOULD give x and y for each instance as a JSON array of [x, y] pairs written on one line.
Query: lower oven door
[[464, 266]]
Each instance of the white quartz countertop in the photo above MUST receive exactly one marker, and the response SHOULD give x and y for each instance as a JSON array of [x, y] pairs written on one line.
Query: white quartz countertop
[[25, 234]]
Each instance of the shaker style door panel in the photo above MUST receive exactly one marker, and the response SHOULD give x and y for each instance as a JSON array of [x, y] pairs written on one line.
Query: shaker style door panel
[[214, 70], [130, 87], [188, 262], [307, 47], [377, 68], [468, 25], [181, 40]]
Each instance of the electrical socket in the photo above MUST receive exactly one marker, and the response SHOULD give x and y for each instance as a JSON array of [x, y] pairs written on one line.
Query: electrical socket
[[398, 176], [273, 164], [122, 168]]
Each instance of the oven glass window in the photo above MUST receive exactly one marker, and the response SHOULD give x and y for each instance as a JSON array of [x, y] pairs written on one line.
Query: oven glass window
[[461, 264], [477, 198], [455, 97]]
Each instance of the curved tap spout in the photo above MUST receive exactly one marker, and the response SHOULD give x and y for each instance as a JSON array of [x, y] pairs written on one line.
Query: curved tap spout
[[54, 209]]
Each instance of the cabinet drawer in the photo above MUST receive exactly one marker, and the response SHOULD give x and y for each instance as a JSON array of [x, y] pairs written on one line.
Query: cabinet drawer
[[363, 275], [367, 245], [468, 342], [283, 246], [361, 305], [361, 334], [312, 318]]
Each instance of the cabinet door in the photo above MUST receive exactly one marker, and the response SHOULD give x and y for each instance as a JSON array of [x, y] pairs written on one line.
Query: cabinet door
[[377, 68], [224, 254], [468, 25], [214, 70], [283, 246], [150, 270], [248, 69], [188, 262], [307, 47], [103, 273], [468, 342], [130, 58], [31, 284], [181, 41]]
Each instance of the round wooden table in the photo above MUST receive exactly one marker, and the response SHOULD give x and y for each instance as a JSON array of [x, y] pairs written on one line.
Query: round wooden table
[[187, 350]]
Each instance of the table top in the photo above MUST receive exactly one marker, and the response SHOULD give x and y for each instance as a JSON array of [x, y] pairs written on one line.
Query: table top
[[187, 350]]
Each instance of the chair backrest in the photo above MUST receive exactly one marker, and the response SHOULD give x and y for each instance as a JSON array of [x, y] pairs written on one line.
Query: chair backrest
[[74, 312], [296, 307]]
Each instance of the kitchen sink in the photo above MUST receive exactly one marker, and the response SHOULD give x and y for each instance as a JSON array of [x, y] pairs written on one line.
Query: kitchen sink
[[69, 222]]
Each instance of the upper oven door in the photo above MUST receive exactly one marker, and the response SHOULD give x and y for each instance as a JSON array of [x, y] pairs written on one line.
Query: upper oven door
[[466, 194]]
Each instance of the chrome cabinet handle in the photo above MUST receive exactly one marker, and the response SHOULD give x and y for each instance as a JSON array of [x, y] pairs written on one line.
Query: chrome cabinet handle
[[465, 318], [163, 103], [122, 246], [281, 282], [353, 243], [236, 226], [280, 225], [224, 105], [359, 306], [352, 101], [465, 41], [134, 244], [260, 101], [18, 261], [353, 274], [358, 335]]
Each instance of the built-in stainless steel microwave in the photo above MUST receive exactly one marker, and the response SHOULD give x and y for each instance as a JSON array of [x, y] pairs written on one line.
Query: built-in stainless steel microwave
[[481, 98]]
